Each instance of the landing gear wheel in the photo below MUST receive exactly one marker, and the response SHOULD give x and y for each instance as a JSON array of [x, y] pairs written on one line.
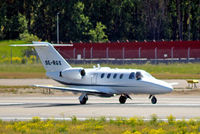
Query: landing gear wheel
[[84, 100], [153, 100], [122, 99]]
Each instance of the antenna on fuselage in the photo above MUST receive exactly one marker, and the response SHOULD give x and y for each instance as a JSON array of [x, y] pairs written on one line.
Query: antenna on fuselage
[[98, 66]]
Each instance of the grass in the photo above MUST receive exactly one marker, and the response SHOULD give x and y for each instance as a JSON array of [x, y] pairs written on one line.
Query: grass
[[120, 125], [5, 49], [168, 71], [22, 71], [161, 71], [16, 87], [166, 68], [26, 68]]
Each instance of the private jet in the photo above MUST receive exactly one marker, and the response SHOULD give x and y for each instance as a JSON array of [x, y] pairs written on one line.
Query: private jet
[[98, 81]]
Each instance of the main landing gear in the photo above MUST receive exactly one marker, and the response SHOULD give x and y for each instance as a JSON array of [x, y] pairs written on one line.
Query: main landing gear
[[123, 98], [153, 99], [83, 98]]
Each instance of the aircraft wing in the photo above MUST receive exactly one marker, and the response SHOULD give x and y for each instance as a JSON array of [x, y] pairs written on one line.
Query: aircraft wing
[[80, 90], [174, 83]]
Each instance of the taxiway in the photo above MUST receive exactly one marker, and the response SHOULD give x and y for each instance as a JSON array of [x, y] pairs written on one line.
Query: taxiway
[[65, 107]]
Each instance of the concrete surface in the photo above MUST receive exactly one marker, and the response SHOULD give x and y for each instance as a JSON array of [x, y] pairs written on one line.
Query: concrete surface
[[184, 106]]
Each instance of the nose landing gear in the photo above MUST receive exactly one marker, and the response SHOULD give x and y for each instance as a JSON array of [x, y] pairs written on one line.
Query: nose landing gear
[[153, 99]]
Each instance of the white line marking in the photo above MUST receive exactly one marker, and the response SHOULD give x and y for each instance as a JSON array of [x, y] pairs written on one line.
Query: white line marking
[[5, 104], [167, 104]]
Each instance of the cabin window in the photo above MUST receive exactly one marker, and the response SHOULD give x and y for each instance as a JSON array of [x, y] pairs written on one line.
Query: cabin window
[[114, 76], [132, 75], [102, 75], [121, 76], [138, 75], [108, 76]]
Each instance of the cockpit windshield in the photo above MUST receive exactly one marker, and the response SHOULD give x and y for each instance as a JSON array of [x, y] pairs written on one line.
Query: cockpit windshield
[[138, 75], [147, 75]]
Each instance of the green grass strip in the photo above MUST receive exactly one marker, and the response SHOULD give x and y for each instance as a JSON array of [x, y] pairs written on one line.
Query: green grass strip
[[119, 125], [163, 71]]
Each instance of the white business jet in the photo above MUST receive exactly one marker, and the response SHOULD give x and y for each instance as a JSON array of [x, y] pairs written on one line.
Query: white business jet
[[99, 81]]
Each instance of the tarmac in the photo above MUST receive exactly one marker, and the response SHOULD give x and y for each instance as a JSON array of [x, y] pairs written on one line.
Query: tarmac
[[64, 107], [182, 107]]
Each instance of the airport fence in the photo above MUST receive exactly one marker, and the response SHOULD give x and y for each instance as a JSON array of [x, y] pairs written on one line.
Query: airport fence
[[123, 53], [132, 52]]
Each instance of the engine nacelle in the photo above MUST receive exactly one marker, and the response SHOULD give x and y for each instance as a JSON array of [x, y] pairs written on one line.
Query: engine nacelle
[[73, 73]]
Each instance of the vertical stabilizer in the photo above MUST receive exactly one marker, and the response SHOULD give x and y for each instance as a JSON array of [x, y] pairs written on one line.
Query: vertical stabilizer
[[51, 59], [49, 56]]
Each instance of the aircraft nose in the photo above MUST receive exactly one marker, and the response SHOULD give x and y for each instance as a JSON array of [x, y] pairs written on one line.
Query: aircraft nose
[[159, 87], [164, 86], [168, 88]]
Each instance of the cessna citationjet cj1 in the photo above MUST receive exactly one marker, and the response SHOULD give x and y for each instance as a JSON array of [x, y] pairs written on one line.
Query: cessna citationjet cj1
[[99, 81]]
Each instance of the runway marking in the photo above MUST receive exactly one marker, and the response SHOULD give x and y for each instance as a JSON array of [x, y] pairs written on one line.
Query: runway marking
[[5, 104], [183, 105]]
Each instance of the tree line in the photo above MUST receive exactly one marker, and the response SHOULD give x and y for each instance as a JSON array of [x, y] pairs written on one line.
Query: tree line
[[101, 20]]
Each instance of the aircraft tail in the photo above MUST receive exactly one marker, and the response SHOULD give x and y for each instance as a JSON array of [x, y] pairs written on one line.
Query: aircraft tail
[[49, 56]]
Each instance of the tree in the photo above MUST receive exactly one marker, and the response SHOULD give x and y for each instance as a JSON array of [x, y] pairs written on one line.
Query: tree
[[123, 19], [80, 23], [98, 34]]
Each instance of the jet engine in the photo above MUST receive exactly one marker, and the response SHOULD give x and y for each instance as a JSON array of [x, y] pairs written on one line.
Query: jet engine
[[73, 73]]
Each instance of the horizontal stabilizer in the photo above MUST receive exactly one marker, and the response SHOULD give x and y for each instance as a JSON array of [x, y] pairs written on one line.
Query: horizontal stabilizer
[[39, 45], [62, 45], [29, 45]]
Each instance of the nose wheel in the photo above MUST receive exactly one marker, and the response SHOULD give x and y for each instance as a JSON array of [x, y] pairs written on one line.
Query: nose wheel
[[153, 99]]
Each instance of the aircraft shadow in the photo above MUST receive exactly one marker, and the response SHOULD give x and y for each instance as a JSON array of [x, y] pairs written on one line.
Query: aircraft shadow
[[78, 104], [65, 104], [53, 105], [35, 105], [27, 105]]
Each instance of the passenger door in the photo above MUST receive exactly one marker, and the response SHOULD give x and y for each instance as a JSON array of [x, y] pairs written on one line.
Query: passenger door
[[94, 78]]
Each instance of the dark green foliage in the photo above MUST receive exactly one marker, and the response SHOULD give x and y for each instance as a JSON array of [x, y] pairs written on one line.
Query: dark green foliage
[[123, 19], [97, 34]]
